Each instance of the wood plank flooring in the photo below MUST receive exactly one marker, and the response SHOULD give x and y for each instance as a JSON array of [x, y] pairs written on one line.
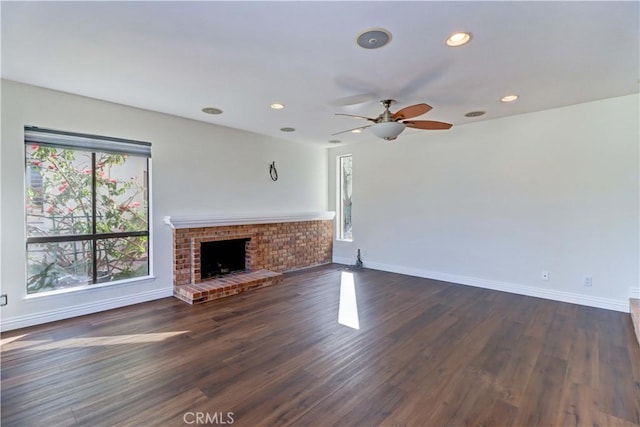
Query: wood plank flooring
[[427, 353]]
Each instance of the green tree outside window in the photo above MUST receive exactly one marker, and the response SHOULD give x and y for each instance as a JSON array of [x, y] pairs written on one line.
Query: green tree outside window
[[87, 217]]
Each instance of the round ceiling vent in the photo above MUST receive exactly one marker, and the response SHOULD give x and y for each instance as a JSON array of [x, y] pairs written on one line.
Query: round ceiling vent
[[373, 38]]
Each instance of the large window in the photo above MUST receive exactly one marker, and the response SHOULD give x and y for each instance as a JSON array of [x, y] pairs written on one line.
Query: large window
[[87, 209], [345, 176]]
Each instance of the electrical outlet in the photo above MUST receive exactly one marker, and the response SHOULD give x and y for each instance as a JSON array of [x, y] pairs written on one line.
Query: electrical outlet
[[588, 281], [3, 299], [544, 275]]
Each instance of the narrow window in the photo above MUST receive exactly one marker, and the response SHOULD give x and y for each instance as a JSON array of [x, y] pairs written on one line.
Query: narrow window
[[345, 175], [87, 209]]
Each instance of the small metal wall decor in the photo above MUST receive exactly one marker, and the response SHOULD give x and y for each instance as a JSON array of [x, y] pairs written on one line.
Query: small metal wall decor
[[273, 172]]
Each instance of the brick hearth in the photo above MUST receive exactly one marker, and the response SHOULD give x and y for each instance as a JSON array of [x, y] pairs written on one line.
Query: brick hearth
[[273, 248], [226, 286]]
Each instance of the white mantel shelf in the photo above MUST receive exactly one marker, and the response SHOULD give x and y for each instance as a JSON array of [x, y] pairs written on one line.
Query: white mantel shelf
[[217, 221]]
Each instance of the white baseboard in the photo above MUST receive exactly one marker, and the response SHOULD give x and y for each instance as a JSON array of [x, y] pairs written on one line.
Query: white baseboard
[[344, 261], [551, 294], [82, 309], [634, 293]]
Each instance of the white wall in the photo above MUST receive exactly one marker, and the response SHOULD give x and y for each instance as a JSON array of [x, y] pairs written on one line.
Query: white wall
[[494, 203], [197, 168]]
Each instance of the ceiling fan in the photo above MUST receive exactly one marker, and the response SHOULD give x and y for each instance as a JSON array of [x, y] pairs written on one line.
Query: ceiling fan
[[389, 125]]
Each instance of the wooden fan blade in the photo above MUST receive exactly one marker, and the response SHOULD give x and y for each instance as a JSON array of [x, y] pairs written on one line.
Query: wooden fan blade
[[428, 125], [353, 115], [354, 100], [358, 117], [411, 111], [345, 131]]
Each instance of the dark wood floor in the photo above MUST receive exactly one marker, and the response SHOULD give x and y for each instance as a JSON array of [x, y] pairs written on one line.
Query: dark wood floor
[[427, 354]]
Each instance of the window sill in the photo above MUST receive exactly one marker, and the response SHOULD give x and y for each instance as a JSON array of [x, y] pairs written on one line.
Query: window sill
[[88, 287], [345, 240]]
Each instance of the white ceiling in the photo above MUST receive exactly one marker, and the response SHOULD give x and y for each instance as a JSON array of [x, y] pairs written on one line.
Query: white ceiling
[[178, 57]]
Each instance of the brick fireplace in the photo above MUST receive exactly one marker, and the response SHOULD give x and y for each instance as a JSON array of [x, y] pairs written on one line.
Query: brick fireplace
[[221, 257], [273, 244]]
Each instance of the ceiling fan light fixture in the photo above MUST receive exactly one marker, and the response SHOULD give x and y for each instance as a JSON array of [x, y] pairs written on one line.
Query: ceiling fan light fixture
[[387, 130], [458, 39]]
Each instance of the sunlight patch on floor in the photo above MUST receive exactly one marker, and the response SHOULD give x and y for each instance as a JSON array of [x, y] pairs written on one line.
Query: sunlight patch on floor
[[348, 309], [6, 341], [81, 342]]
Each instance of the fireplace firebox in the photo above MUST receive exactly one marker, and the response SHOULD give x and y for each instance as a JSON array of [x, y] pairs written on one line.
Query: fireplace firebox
[[222, 257]]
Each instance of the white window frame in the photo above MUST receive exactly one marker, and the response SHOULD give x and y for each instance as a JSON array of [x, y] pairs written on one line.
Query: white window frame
[[340, 208], [94, 143]]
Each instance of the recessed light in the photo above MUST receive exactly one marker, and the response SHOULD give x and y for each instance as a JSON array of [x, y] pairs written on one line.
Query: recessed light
[[359, 130], [475, 113], [509, 98], [334, 141], [277, 106], [211, 110], [287, 129], [458, 39], [373, 38]]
